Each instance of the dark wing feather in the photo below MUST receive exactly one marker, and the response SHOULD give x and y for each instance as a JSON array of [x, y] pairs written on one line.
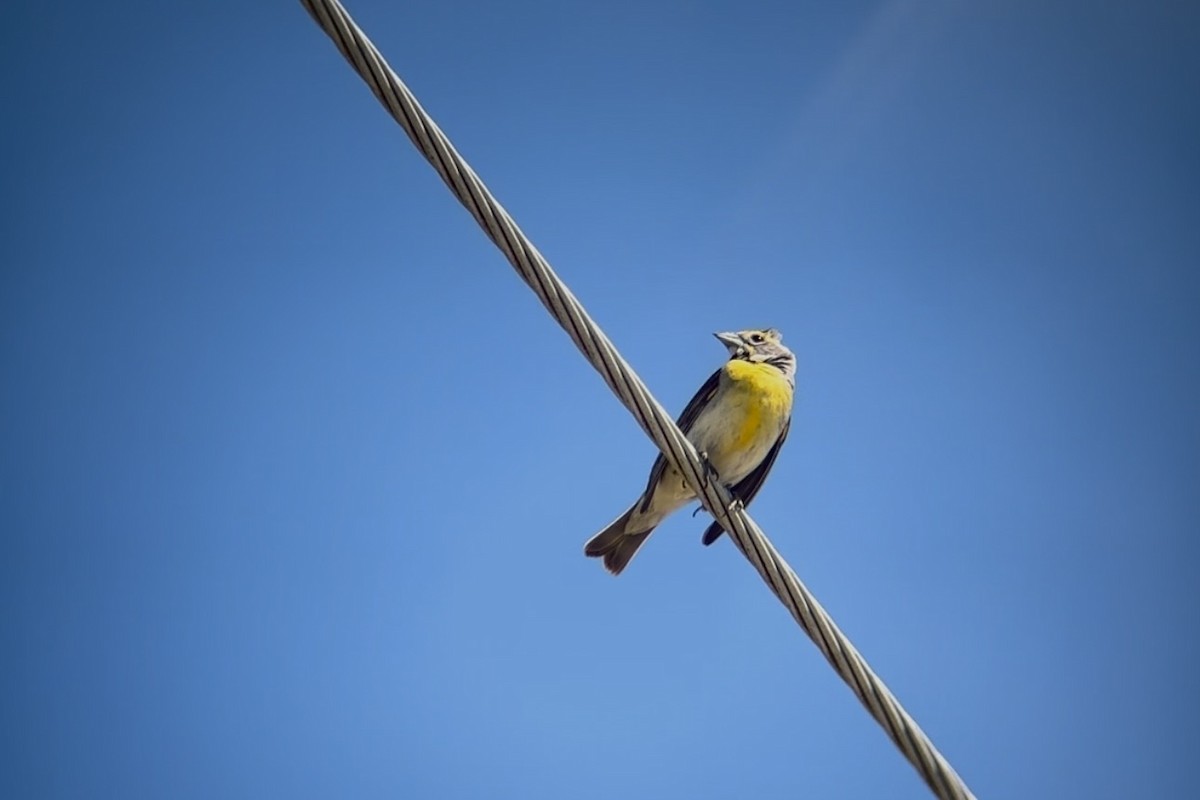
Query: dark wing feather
[[685, 422], [748, 487]]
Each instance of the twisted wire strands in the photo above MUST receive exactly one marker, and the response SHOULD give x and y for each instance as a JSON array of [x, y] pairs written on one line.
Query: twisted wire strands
[[624, 382]]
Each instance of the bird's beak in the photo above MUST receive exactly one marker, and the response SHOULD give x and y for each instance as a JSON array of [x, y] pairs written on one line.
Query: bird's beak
[[730, 340]]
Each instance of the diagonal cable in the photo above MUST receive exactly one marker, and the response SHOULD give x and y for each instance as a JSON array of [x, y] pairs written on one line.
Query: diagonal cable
[[620, 377]]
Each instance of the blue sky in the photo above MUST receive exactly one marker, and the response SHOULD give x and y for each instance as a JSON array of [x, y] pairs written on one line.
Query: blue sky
[[297, 474]]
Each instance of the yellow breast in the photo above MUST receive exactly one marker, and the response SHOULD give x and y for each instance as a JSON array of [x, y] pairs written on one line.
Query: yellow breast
[[765, 397]]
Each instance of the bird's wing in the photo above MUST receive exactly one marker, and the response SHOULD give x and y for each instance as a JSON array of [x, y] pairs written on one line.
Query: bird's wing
[[685, 422], [747, 487]]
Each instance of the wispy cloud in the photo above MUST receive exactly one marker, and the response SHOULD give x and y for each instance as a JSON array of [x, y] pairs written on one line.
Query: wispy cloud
[[870, 78]]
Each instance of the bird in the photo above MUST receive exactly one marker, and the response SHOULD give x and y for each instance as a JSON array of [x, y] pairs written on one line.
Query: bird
[[737, 421]]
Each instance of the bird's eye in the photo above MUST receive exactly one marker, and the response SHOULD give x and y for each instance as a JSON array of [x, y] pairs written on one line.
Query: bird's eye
[[756, 338]]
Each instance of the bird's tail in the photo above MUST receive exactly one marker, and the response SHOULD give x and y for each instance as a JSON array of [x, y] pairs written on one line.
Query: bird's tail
[[615, 544]]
